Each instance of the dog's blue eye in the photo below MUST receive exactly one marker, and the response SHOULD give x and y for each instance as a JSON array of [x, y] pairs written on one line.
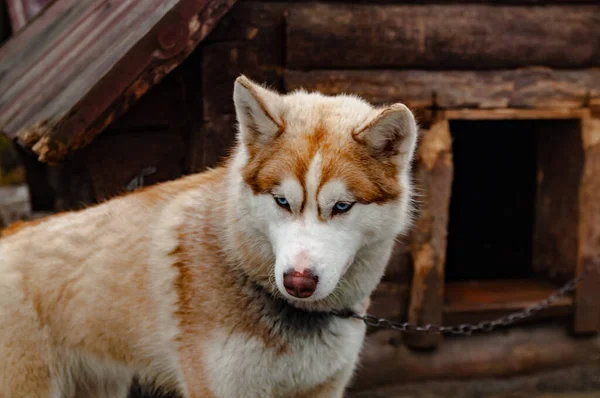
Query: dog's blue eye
[[341, 207], [282, 202]]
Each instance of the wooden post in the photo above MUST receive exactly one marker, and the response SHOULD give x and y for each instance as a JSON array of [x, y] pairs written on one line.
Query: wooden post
[[587, 298], [433, 172]]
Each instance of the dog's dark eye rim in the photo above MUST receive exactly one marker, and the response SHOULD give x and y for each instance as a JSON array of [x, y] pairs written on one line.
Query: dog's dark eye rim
[[341, 207], [282, 202]]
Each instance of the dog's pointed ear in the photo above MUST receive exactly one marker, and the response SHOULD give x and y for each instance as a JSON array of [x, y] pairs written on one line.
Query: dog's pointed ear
[[256, 110], [391, 135]]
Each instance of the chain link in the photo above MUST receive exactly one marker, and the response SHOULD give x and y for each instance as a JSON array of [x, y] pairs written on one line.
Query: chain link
[[467, 329]]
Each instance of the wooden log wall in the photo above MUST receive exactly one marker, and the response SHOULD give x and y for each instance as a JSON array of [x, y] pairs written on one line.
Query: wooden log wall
[[447, 55], [442, 36], [435, 56]]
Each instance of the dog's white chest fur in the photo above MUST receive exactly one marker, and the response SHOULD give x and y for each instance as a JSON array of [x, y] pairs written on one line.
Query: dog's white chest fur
[[241, 366]]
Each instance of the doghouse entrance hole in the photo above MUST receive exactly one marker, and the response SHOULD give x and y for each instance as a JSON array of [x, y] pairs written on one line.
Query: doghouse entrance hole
[[492, 208]]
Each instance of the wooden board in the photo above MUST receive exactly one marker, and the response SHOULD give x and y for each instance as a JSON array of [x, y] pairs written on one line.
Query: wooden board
[[520, 88], [442, 36], [82, 63], [587, 300], [476, 301], [569, 382], [517, 351], [560, 158], [399, 268], [22, 11], [521, 2], [433, 176], [249, 40]]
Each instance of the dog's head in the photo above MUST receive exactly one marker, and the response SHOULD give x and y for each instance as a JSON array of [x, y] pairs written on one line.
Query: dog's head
[[326, 183]]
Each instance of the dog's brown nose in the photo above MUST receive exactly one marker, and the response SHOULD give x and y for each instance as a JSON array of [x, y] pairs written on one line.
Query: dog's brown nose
[[300, 284]]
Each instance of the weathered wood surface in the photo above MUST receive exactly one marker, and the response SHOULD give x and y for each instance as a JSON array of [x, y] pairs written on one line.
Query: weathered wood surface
[[517, 351], [476, 301], [587, 299], [521, 2], [560, 158], [390, 300], [249, 40], [213, 142], [442, 36], [22, 11], [571, 382], [516, 114], [520, 88], [399, 268], [433, 176], [61, 85]]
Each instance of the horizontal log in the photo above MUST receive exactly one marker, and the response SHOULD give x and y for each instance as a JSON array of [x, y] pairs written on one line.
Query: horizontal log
[[571, 382], [249, 41], [539, 2], [519, 351], [442, 36], [520, 88]]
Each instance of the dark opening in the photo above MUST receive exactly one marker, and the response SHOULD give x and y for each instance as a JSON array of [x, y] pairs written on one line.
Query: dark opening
[[492, 209]]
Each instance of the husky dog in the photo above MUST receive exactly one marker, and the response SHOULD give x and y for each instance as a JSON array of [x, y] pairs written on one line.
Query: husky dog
[[224, 283]]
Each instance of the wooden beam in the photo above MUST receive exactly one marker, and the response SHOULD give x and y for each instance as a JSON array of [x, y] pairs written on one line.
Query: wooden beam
[[516, 114], [560, 162], [476, 301], [519, 2], [249, 40], [517, 351], [60, 86], [448, 36], [521, 88], [587, 299], [433, 175], [570, 382]]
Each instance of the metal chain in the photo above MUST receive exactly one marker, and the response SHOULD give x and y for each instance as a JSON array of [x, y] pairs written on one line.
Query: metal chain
[[466, 329]]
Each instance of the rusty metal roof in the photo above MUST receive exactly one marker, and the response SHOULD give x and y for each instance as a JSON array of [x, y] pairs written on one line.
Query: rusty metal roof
[[81, 63]]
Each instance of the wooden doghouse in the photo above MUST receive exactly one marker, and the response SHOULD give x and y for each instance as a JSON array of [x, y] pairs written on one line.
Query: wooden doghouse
[[508, 169]]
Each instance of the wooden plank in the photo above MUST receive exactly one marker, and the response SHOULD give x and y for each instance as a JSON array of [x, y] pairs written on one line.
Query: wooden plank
[[390, 301], [521, 2], [520, 88], [476, 301], [249, 40], [517, 351], [399, 268], [22, 11], [571, 382], [113, 160], [212, 142], [442, 36], [560, 159], [433, 174], [587, 307], [82, 63], [516, 114]]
